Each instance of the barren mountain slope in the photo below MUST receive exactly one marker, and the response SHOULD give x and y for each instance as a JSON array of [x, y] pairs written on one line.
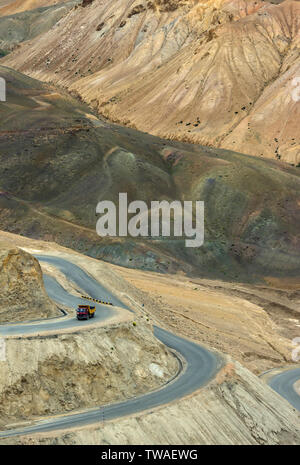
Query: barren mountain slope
[[12, 7], [217, 73], [66, 371], [57, 162]]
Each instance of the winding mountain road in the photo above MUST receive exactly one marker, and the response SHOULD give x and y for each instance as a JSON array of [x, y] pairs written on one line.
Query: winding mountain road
[[200, 367], [284, 384]]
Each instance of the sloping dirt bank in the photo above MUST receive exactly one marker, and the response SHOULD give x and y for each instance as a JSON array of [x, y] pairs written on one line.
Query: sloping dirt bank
[[63, 372]]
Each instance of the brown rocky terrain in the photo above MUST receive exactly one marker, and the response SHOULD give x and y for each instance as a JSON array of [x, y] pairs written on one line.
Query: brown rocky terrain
[[11, 7], [253, 324], [217, 73], [235, 408], [121, 361], [70, 368], [63, 160], [23, 296]]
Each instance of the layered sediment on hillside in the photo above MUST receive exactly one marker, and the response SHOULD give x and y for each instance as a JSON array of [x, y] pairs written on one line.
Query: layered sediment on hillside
[[252, 213], [23, 295]]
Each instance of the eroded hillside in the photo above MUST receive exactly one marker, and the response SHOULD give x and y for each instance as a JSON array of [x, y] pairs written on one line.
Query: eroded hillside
[[236, 408], [217, 73], [63, 161], [26, 25], [23, 295], [64, 372]]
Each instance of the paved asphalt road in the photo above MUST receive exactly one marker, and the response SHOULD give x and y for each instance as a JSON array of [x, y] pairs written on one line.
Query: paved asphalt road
[[201, 364], [283, 383]]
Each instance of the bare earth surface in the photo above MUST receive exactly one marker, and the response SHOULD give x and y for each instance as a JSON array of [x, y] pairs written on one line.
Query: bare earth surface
[[23, 295], [28, 24], [224, 412], [219, 72], [252, 217], [74, 366], [77, 370], [253, 324]]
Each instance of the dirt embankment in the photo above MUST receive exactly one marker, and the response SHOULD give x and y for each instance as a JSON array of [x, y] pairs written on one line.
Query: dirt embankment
[[12, 7], [60, 373], [235, 408], [65, 372], [23, 296]]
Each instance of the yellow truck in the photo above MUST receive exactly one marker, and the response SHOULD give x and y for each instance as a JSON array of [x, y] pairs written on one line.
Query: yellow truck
[[84, 312]]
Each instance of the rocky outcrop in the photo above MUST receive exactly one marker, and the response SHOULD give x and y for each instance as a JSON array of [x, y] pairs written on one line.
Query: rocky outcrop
[[23, 296]]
